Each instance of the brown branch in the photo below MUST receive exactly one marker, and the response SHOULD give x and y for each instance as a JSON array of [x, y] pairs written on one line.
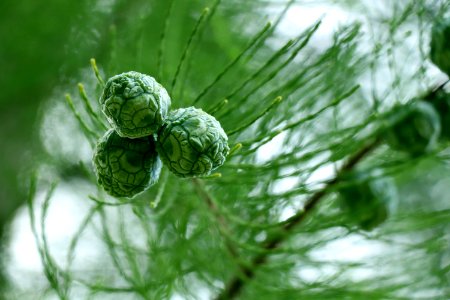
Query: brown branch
[[236, 284], [223, 226]]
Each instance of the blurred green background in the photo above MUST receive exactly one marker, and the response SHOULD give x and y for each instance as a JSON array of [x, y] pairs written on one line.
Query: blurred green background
[[35, 56]]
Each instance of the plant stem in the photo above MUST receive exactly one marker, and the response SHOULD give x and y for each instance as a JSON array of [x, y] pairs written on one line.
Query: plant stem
[[223, 227]]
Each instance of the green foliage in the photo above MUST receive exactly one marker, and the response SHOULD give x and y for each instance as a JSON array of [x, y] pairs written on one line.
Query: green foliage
[[272, 226], [192, 143]]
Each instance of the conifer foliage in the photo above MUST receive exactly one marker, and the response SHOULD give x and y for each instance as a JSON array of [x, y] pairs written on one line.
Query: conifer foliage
[[334, 151]]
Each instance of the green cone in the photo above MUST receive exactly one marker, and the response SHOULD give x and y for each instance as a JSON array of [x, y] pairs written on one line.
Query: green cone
[[192, 143], [135, 104], [440, 100], [368, 201], [417, 131], [126, 167]]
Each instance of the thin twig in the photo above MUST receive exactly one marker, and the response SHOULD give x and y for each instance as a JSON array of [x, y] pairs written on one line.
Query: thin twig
[[188, 46], [262, 114], [223, 226], [257, 37], [237, 283], [161, 49], [97, 73]]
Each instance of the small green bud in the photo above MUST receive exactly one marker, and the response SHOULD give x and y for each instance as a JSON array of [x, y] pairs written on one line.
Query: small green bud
[[368, 201], [126, 167], [135, 104], [192, 143], [417, 131], [440, 45]]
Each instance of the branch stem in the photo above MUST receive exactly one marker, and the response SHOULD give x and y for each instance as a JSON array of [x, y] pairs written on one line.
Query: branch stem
[[237, 283], [222, 225]]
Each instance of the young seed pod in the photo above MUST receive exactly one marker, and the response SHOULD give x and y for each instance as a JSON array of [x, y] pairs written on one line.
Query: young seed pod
[[367, 201], [125, 167], [440, 45], [192, 143], [135, 104], [417, 130]]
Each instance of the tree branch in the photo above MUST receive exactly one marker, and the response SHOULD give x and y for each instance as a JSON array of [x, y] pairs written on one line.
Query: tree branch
[[222, 224], [236, 284]]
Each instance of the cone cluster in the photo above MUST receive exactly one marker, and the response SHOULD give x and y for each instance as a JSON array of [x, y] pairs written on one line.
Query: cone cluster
[[145, 134]]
